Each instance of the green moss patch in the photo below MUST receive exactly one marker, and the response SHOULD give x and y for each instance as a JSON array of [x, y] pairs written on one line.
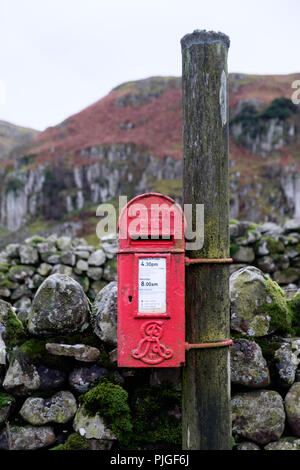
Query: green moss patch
[[111, 402], [74, 442], [277, 308], [151, 422], [6, 399], [14, 333], [35, 351], [294, 306]]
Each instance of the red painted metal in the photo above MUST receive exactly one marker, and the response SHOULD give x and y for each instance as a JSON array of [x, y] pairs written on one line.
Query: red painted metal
[[217, 344], [151, 284]]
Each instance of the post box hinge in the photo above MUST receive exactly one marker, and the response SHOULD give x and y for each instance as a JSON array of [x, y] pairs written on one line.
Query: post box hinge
[[189, 261], [216, 344]]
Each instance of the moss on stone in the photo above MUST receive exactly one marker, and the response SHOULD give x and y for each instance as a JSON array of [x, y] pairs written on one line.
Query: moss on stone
[[111, 402], [151, 422], [294, 306], [268, 348], [233, 248], [6, 399], [7, 283], [74, 442], [274, 246], [277, 308], [36, 239], [14, 333], [4, 267], [35, 351]]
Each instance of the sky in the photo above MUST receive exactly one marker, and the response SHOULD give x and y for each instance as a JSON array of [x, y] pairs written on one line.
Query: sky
[[59, 56]]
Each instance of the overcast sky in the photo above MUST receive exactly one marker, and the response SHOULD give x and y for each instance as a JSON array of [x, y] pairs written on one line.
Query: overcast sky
[[59, 56]]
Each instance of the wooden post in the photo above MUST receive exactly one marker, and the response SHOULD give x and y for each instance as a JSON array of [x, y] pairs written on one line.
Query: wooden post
[[206, 377]]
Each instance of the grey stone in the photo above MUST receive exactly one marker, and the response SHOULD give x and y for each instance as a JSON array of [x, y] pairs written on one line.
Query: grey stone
[[36, 281], [270, 228], [27, 438], [28, 254], [248, 238], [95, 273], [95, 287], [82, 265], [266, 264], [110, 271], [244, 254], [62, 269], [258, 416], [285, 443], [44, 269], [292, 225], [248, 446], [80, 352], [50, 379], [113, 356], [91, 427], [46, 247], [64, 243], [235, 267], [287, 276], [20, 273], [60, 408], [292, 408], [20, 292], [248, 366], [84, 378], [287, 359], [88, 248], [59, 306], [69, 258], [109, 243], [5, 292], [12, 250], [82, 254], [104, 314], [7, 403], [21, 378], [253, 300], [51, 258], [97, 258]]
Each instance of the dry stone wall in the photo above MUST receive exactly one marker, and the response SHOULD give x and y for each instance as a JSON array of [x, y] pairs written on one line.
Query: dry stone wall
[[60, 387]]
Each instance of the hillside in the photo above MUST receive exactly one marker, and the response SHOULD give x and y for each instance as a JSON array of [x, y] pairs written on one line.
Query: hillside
[[130, 142], [14, 138]]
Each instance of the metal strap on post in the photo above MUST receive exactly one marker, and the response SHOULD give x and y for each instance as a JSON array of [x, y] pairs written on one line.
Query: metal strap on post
[[217, 344], [189, 261]]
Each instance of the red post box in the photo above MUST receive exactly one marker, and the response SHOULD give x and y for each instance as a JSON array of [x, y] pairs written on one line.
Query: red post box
[[151, 283]]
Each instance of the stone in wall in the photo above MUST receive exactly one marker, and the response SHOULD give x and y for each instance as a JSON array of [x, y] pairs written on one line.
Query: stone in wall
[[258, 416], [60, 306], [258, 306]]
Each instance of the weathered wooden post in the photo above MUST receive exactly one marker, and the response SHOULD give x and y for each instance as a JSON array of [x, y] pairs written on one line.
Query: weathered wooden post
[[206, 377]]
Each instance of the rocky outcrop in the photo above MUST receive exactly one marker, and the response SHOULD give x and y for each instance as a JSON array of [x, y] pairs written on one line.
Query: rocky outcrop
[[114, 147]]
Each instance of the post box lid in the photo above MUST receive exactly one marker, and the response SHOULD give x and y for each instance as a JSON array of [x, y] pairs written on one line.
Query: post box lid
[[151, 222]]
